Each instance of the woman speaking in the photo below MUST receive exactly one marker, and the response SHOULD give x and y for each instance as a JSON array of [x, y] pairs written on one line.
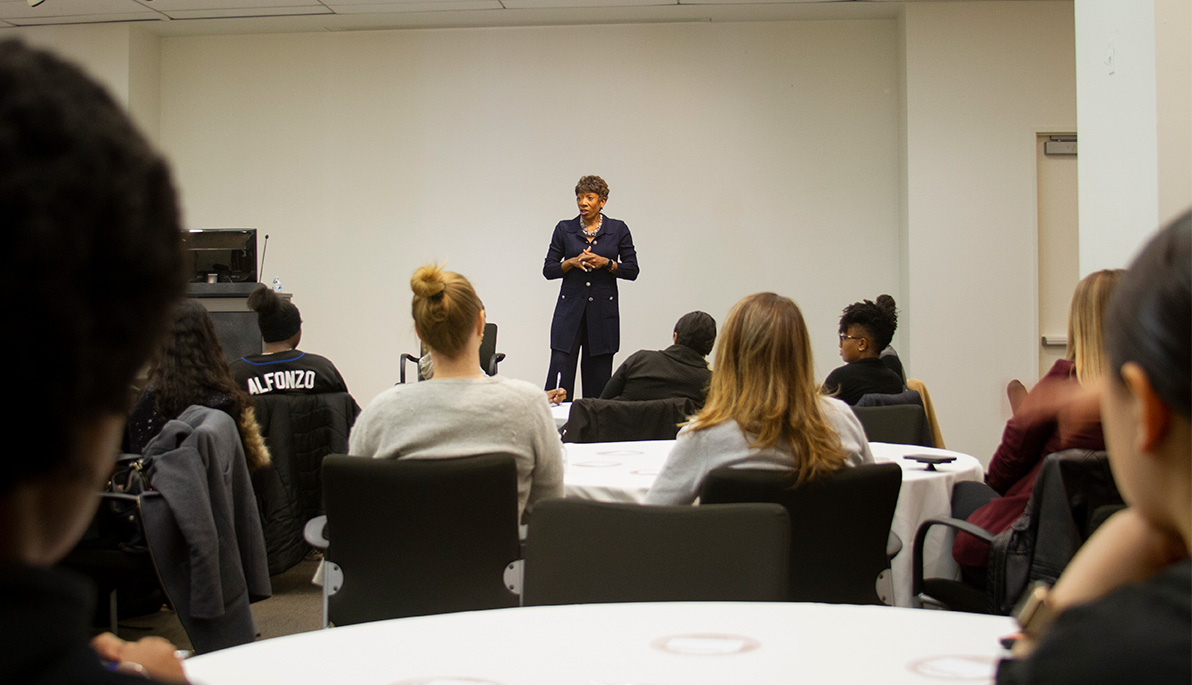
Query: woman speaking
[[589, 252]]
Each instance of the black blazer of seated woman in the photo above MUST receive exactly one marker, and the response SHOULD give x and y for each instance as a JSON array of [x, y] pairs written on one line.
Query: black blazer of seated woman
[[587, 313]]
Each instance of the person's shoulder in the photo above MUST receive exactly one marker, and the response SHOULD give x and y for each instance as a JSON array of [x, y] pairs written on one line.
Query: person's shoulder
[[311, 357], [837, 373], [725, 432], [518, 388], [1062, 369], [832, 406], [642, 356], [611, 224]]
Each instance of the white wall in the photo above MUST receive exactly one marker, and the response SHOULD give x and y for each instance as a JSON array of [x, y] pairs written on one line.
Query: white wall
[[1118, 163], [826, 160], [981, 80], [101, 49], [744, 157], [1134, 83], [1173, 111]]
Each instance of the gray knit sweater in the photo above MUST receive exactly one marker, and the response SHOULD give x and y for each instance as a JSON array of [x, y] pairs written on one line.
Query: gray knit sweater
[[461, 417], [697, 452]]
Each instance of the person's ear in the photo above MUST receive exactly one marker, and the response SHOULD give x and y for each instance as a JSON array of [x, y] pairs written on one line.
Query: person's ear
[[480, 321], [675, 337], [1151, 412]]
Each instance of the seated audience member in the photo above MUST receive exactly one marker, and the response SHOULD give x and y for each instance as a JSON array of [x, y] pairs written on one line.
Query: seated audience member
[[282, 367], [680, 370], [1122, 610], [92, 230], [1055, 415], [889, 355], [461, 411], [189, 368], [764, 409], [865, 330]]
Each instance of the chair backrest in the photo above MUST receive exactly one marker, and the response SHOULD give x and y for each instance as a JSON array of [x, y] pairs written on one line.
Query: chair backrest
[[1059, 516], [420, 536], [580, 551], [593, 420], [904, 424], [489, 357], [840, 525], [300, 430]]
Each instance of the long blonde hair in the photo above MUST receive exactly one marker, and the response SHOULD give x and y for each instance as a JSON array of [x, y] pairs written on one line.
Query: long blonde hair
[[764, 381], [1086, 346], [445, 308]]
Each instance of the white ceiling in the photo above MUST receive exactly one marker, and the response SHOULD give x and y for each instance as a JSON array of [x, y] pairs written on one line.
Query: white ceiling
[[211, 17]]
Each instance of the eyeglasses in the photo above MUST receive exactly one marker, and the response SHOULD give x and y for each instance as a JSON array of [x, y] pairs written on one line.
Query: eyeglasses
[[844, 337]]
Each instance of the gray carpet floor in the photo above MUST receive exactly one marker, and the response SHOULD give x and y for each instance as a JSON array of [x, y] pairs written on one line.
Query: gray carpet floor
[[295, 607]]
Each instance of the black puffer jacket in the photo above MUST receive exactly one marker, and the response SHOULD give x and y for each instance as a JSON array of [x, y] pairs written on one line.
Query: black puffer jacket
[[300, 430]]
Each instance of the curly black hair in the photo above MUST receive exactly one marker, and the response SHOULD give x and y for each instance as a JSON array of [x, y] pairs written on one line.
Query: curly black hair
[[879, 319], [189, 367], [94, 257]]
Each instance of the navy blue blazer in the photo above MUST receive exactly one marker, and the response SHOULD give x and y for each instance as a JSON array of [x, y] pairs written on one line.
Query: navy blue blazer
[[590, 294]]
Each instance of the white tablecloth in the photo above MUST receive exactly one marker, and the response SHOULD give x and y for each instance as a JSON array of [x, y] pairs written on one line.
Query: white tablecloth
[[624, 471], [629, 644], [560, 412]]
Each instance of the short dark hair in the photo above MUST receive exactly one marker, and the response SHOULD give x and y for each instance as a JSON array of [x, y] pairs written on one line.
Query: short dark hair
[[1149, 316], [93, 251], [592, 184], [878, 320], [696, 330]]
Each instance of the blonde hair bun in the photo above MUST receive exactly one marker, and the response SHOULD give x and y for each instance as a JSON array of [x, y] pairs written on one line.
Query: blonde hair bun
[[445, 308], [428, 281]]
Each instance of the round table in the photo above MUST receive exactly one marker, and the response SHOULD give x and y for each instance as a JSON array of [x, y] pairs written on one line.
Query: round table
[[693, 643], [624, 472]]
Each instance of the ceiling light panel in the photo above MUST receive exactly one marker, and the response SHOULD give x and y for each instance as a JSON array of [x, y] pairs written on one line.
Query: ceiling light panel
[[413, 6], [168, 6]]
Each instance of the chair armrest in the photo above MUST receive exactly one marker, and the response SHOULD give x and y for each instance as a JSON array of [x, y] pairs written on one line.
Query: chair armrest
[[406, 358], [921, 535], [316, 532], [497, 358], [893, 545]]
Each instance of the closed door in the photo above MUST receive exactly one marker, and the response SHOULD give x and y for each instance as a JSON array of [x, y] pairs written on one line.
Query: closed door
[[1059, 264]]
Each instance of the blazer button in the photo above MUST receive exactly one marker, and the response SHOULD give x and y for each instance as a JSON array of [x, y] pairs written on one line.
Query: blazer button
[[589, 284], [562, 297], [610, 297], [589, 299]]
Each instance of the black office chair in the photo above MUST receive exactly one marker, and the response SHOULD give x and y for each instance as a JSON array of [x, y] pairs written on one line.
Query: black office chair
[[580, 551], [489, 357], [593, 420], [411, 537], [1070, 497], [840, 527], [904, 424]]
